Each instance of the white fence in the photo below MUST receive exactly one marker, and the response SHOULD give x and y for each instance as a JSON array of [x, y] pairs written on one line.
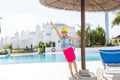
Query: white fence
[[78, 50]]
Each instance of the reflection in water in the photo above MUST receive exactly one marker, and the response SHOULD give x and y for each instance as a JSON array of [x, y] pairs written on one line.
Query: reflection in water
[[42, 55]]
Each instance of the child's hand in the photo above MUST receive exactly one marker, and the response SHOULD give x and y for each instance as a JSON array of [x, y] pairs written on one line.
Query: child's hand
[[51, 23]]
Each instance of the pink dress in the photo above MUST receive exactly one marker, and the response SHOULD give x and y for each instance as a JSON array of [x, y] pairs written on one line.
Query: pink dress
[[69, 54]]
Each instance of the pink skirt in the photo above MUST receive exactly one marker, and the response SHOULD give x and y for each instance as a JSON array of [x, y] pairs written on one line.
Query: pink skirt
[[69, 54]]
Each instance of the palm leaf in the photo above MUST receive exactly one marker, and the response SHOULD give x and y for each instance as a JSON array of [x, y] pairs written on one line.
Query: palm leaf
[[116, 21]]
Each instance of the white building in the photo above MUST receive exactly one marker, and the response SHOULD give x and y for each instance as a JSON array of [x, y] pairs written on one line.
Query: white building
[[30, 39], [5, 41]]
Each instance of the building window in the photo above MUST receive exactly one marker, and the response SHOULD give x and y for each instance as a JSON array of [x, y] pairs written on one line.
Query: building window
[[48, 34]]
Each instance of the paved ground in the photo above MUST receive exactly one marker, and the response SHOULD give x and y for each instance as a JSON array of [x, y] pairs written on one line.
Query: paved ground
[[41, 71]]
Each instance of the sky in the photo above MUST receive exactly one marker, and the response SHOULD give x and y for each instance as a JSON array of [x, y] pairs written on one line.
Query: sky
[[19, 15]]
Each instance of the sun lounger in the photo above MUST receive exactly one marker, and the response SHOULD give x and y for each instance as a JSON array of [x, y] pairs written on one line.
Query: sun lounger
[[111, 60], [111, 63]]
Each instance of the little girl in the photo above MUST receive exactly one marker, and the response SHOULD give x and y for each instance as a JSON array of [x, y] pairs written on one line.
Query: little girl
[[66, 46]]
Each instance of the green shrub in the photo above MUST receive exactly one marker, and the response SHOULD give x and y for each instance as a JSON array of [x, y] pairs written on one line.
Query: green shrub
[[109, 44]]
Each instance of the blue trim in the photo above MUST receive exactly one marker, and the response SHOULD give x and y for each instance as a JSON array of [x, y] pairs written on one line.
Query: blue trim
[[116, 50]]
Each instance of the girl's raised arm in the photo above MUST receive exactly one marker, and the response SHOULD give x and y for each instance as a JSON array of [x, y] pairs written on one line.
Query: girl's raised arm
[[55, 28]]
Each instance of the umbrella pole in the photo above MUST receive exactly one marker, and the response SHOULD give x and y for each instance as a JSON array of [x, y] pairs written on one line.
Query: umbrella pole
[[83, 65]]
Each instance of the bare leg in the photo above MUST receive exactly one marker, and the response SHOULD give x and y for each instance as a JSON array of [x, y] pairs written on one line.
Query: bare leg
[[75, 66], [70, 68]]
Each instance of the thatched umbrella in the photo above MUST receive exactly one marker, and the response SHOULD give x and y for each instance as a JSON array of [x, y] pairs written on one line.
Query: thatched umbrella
[[82, 5]]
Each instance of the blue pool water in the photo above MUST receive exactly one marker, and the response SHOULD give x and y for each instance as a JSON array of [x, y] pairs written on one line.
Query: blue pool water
[[44, 58]]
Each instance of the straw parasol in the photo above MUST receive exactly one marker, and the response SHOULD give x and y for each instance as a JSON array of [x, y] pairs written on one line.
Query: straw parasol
[[83, 5], [90, 5]]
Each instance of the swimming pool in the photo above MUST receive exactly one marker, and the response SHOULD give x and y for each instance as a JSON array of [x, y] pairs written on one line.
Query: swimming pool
[[44, 58]]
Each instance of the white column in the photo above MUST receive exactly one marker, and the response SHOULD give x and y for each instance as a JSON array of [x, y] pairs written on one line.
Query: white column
[[107, 26], [0, 24]]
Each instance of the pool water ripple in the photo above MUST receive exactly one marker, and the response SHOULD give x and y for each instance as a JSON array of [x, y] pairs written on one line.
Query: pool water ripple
[[44, 58]]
